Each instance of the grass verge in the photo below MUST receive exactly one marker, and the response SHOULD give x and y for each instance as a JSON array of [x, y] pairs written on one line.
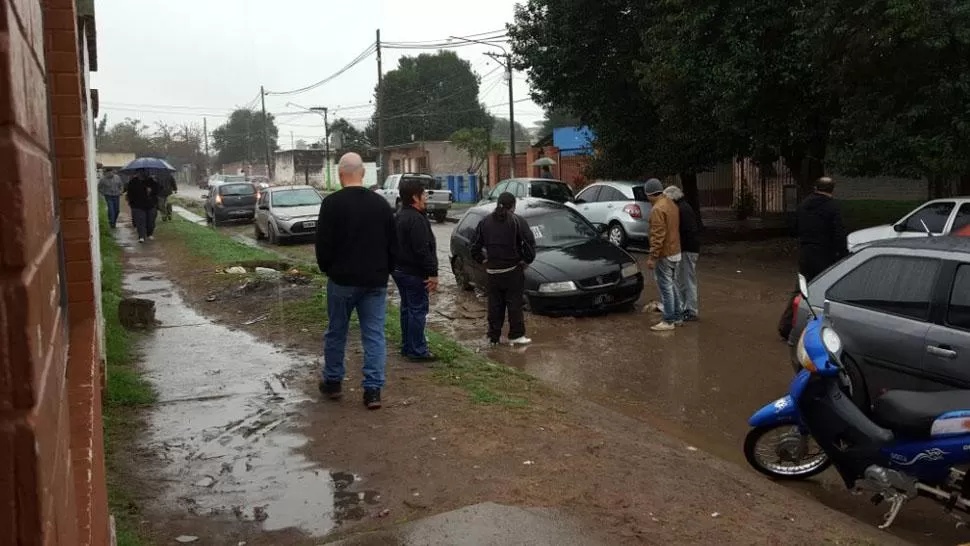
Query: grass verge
[[486, 382], [125, 391], [188, 204]]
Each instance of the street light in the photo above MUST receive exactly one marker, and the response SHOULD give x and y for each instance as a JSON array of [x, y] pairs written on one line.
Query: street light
[[326, 135], [508, 67]]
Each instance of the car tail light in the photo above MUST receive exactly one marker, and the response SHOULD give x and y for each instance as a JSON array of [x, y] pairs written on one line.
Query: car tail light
[[634, 211], [794, 307], [218, 199]]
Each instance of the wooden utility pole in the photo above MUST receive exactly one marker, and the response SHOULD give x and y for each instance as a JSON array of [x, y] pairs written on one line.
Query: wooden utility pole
[[381, 168], [205, 130], [269, 168]]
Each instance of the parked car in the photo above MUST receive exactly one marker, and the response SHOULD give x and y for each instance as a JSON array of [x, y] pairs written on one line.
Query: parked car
[[940, 217], [229, 201], [621, 206], [902, 308], [287, 212], [439, 200], [541, 188], [576, 270]]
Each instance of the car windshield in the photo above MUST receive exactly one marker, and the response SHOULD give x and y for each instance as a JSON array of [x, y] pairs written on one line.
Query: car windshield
[[296, 198], [560, 228], [237, 189], [553, 191]]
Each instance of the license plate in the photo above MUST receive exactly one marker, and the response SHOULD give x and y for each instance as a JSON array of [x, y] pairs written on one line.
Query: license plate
[[309, 224], [603, 299]]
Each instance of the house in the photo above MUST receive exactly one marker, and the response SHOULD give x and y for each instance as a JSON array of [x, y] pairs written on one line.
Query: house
[[248, 168], [114, 160], [306, 166], [426, 157], [52, 460]]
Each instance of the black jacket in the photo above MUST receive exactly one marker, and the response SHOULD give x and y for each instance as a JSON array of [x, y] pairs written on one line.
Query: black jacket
[[689, 228], [506, 243], [820, 231], [142, 194], [417, 250], [356, 238]]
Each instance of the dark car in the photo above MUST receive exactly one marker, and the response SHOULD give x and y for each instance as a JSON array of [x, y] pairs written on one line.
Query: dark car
[[230, 202], [539, 188], [576, 270], [902, 309]]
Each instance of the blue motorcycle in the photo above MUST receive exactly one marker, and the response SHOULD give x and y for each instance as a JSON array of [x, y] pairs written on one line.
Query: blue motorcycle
[[908, 445]]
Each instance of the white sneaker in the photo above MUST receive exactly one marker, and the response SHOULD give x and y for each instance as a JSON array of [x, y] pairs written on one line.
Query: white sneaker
[[141, 240], [663, 327], [520, 341], [151, 237]]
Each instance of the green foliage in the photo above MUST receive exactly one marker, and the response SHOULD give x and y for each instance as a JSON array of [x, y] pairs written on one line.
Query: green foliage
[[352, 139], [861, 214], [502, 133], [476, 143], [241, 137], [429, 97], [554, 119], [178, 144]]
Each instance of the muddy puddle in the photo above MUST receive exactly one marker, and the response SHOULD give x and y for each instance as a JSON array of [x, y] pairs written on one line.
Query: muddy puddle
[[225, 438]]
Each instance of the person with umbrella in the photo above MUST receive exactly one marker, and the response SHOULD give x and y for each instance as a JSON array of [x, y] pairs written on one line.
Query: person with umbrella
[[143, 200], [545, 164]]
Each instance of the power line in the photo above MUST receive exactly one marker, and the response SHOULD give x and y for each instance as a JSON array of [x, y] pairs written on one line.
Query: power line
[[371, 49]]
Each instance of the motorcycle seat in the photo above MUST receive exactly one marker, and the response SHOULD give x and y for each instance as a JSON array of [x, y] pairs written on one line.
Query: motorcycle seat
[[911, 413]]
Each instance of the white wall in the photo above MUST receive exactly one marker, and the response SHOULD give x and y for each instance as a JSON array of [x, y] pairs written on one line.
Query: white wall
[[94, 198]]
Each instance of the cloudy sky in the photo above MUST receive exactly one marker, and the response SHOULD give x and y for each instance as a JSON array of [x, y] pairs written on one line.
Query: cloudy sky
[[181, 60]]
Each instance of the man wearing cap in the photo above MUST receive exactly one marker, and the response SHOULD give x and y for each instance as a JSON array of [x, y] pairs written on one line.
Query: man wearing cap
[[664, 252]]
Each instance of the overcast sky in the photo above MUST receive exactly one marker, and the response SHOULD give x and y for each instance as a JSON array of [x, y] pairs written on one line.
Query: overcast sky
[[182, 60]]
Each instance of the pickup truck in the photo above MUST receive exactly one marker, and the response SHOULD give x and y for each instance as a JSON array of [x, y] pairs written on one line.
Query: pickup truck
[[439, 200]]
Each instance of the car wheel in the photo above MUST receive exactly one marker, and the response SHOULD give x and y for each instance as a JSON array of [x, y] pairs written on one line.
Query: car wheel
[[441, 216], [271, 235], [617, 235], [258, 233], [461, 277]]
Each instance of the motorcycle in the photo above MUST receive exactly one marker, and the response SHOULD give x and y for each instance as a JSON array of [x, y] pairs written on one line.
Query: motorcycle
[[907, 446]]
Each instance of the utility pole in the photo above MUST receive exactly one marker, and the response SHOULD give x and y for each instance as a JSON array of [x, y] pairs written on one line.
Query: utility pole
[[205, 130], [269, 168], [381, 169], [326, 141]]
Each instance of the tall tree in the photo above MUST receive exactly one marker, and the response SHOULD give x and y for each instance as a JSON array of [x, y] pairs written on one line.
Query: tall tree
[[429, 97], [501, 132], [351, 138], [241, 137]]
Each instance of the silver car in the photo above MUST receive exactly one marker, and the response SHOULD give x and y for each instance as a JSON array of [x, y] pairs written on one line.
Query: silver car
[[902, 308], [287, 212], [621, 206]]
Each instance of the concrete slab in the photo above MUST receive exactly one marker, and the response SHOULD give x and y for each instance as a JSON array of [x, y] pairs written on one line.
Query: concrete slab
[[486, 524]]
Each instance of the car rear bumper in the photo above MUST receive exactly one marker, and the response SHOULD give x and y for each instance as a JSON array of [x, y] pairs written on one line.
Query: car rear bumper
[[298, 229], [624, 293], [636, 229], [434, 206], [235, 213]]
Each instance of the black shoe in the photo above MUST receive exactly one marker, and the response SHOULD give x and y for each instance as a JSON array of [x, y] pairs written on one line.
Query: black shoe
[[430, 357], [332, 389], [372, 398]]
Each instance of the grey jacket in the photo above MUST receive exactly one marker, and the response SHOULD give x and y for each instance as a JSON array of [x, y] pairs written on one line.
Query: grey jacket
[[111, 185]]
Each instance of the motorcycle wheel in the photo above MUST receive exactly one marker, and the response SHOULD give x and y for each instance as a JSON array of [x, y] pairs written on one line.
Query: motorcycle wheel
[[781, 452]]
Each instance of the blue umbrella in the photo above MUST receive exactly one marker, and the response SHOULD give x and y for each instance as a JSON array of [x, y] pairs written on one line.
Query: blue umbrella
[[151, 163]]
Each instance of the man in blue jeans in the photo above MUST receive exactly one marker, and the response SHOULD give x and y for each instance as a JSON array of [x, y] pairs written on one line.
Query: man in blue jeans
[[356, 248], [665, 253], [416, 274], [111, 187]]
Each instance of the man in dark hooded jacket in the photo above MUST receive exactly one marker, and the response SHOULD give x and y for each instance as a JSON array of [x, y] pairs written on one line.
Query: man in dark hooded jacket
[[821, 238]]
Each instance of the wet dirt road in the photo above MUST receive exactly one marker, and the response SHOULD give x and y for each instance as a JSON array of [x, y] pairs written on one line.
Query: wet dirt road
[[700, 383]]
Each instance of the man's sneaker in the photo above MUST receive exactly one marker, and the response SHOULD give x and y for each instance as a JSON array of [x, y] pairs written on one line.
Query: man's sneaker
[[520, 341], [141, 239], [663, 327], [151, 237], [372, 398], [430, 357], [332, 389], [690, 317]]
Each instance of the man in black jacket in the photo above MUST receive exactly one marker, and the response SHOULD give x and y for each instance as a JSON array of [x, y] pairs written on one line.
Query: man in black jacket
[[690, 247], [821, 239], [356, 248], [416, 274], [142, 194]]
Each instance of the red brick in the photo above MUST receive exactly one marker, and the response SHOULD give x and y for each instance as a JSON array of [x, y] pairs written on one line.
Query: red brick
[[60, 19], [74, 209], [68, 126], [80, 311], [77, 250], [62, 40], [27, 209], [8, 485], [79, 271], [68, 86], [23, 81], [69, 147], [29, 501], [29, 14], [61, 62], [82, 291], [69, 168], [76, 230], [72, 188]]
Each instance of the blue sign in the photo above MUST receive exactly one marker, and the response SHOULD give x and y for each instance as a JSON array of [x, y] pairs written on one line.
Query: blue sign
[[573, 140]]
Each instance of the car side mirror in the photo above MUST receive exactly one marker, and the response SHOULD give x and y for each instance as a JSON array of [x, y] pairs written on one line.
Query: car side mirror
[[899, 228]]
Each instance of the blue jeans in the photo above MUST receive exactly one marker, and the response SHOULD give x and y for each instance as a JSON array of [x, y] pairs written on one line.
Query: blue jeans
[[687, 284], [371, 307], [114, 207], [414, 314], [665, 272]]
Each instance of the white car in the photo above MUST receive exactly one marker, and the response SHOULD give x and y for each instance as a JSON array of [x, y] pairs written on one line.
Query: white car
[[939, 217]]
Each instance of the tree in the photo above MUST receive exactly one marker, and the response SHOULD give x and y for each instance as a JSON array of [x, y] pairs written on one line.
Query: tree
[[129, 136], [241, 137], [351, 138], [429, 97], [501, 132], [477, 144], [554, 119]]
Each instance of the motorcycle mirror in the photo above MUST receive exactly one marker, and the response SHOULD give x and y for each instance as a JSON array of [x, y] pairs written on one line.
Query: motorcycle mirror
[[803, 286]]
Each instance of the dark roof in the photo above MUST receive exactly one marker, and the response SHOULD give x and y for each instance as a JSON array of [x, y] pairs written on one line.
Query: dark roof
[[528, 179], [527, 206], [945, 243]]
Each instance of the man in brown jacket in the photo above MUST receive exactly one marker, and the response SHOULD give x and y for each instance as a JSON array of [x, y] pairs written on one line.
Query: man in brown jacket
[[664, 252]]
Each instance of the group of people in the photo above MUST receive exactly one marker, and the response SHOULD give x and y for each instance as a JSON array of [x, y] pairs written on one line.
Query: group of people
[[147, 196], [361, 244], [674, 249]]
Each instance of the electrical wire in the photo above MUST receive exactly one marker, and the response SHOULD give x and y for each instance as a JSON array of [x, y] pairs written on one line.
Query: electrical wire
[[371, 49]]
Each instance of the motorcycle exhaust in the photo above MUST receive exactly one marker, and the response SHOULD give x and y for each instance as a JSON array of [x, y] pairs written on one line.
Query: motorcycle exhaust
[[944, 497]]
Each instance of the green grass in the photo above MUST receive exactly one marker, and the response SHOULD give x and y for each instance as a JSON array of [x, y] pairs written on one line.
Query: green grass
[[487, 382], [125, 389], [860, 214]]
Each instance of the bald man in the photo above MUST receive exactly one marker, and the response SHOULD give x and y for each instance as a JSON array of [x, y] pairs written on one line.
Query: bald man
[[356, 248]]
